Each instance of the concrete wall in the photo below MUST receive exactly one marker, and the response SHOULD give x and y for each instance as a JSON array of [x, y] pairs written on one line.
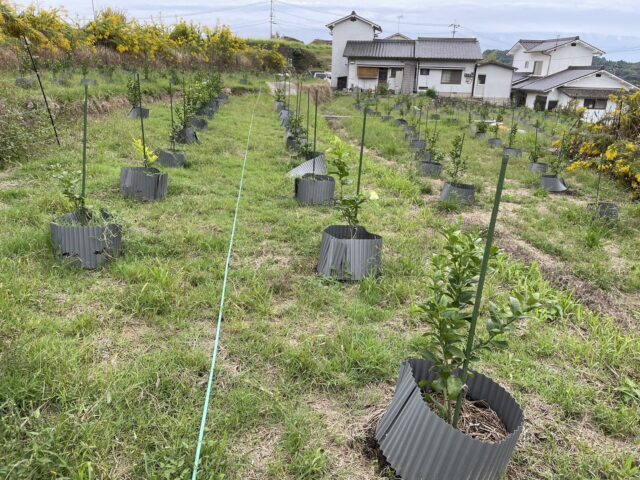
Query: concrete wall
[[497, 88], [342, 32], [433, 80]]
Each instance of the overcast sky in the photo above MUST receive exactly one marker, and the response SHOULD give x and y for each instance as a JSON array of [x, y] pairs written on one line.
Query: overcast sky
[[612, 25]]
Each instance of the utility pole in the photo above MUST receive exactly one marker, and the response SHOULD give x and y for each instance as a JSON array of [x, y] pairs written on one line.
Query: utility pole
[[399, 18], [455, 26], [271, 19]]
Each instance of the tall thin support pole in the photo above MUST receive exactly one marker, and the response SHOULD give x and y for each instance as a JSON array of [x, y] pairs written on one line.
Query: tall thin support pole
[[44, 95], [144, 145], [364, 128], [308, 113], [84, 146], [315, 132], [484, 266], [173, 140]]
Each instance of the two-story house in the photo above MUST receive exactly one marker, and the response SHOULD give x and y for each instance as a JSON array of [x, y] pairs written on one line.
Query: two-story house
[[552, 73], [450, 66]]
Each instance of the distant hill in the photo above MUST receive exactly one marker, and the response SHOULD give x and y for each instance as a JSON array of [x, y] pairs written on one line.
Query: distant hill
[[626, 70], [499, 55]]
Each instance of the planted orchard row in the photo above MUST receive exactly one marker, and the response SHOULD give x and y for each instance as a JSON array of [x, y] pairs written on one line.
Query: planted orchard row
[[418, 434], [424, 141], [88, 237]]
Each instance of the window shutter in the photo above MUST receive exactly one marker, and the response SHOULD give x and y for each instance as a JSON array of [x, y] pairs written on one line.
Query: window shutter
[[367, 72]]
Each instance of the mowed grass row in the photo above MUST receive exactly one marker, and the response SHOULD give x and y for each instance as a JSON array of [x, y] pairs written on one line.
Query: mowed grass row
[[558, 225], [106, 371]]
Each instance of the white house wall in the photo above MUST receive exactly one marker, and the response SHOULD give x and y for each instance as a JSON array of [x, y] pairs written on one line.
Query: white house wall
[[497, 88], [370, 83], [433, 80], [556, 61], [521, 58], [568, 56], [343, 32], [603, 81], [591, 115]]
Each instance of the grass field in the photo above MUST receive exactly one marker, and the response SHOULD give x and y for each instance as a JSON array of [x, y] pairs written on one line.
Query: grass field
[[103, 374]]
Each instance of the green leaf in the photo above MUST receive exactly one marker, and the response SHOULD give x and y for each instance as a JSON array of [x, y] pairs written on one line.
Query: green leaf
[[454, 387]]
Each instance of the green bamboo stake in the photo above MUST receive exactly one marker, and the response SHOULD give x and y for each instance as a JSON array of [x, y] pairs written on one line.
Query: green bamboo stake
[[308, 113], [84, 146], [173, 141], [144, 148], [315, 132], [483, 274], [364, 128]]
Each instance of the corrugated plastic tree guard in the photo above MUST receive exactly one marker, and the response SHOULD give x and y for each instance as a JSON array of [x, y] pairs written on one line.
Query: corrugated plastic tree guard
[[537, 167], [463, 193], [553, 184], [314, 189], [88, 245], [316, 165], [144, 184], [349, 254], [420, 445]]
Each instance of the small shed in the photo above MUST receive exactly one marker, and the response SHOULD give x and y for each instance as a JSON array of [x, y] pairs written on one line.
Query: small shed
[[493, 82]]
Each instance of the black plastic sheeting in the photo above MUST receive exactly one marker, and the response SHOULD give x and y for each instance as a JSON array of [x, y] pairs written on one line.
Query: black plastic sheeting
[[144, 184], [420, 445], [88, 246], [349, 254]]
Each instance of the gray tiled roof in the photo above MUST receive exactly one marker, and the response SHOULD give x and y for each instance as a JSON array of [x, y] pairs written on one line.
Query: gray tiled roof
[[437, 48], [423, 48], [575, 92], [544, 84], [544, 45], [380, 49]]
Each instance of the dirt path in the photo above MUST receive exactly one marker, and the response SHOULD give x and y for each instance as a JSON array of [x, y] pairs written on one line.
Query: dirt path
[[290, 90]]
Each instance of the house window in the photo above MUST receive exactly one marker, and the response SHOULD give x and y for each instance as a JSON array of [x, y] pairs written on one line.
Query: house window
[[552, 105], [526, 64], [424, 72], [451, 77], [595, 103], [537, 67], [482, 79], [394, 72]]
